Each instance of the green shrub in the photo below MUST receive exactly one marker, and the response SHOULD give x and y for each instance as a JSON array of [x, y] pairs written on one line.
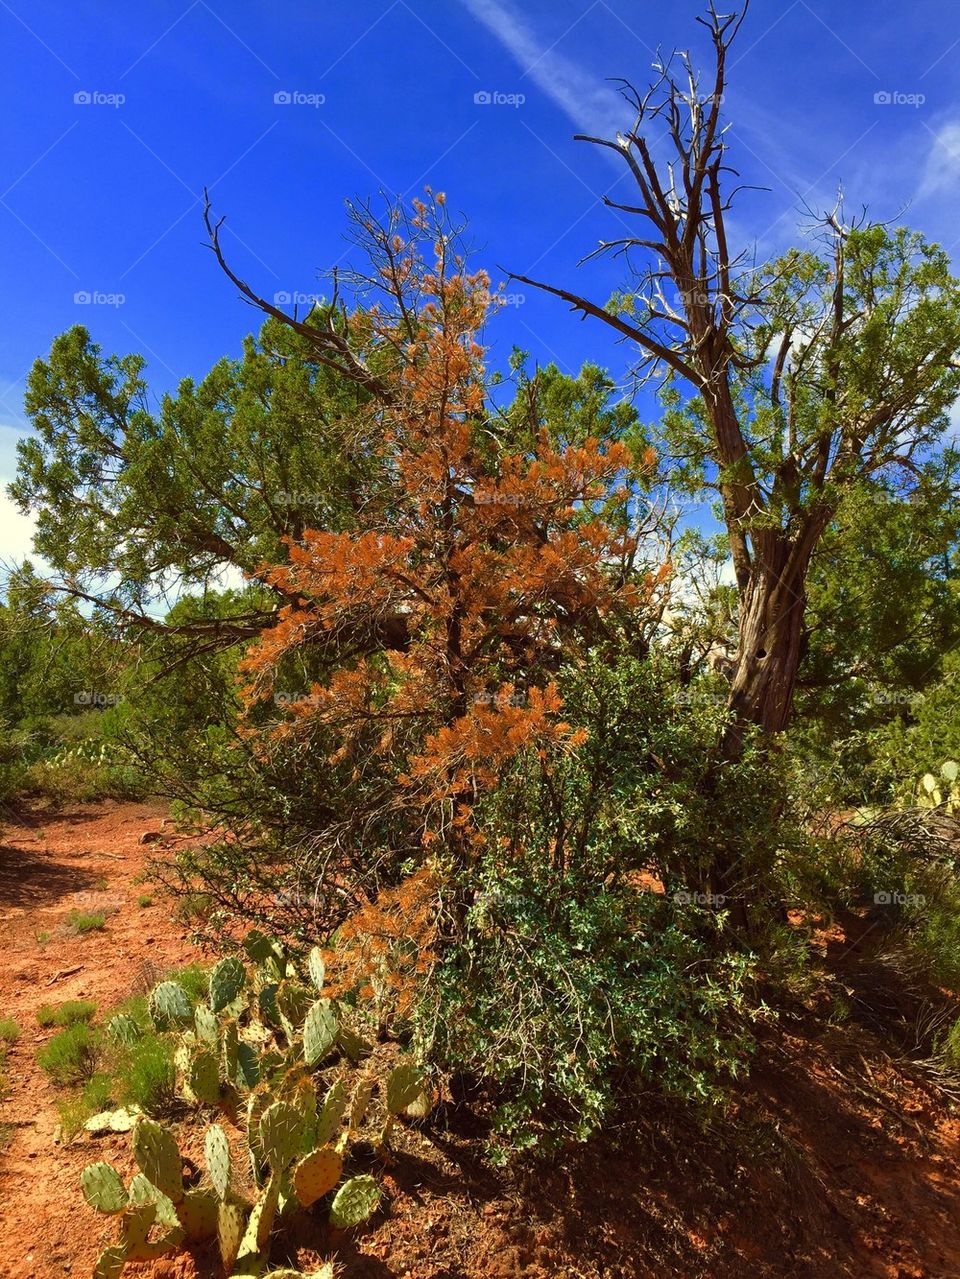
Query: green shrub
[[9, 1030], [70, 1056], [144, 900], [67, 1014], [86, 921], [144, 1075]]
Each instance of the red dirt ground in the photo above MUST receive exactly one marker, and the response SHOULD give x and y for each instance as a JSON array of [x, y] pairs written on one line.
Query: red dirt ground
[[838, 1162]]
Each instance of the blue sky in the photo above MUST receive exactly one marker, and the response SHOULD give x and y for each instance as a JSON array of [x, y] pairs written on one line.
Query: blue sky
[[102, 197]]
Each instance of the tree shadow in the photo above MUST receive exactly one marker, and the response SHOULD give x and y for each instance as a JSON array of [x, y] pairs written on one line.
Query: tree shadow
[[29, 879]]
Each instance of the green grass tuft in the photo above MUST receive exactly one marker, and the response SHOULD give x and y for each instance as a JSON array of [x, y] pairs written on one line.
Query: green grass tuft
[[67, 1014], [86, 921], [9, 1030], [71, 1056]]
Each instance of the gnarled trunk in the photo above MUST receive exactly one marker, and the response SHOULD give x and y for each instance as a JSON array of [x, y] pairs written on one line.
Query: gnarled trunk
[[771, 647]]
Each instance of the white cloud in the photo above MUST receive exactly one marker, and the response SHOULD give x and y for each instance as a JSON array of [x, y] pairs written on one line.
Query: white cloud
[[591, 103], [942, 170]]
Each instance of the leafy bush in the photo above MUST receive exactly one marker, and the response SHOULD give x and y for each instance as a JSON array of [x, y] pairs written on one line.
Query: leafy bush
[[9, 1030], [590, 963]]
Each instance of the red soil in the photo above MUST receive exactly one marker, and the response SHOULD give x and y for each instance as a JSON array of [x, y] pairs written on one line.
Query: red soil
[[841, 1163]]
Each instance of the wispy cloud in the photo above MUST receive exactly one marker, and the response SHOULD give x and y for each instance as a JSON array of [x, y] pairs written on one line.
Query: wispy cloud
[[942, 170], [592, 104]]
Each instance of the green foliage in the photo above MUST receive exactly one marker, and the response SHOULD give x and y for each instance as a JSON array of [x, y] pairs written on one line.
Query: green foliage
[[70, 1056], [86, 921], [66, 1014], [9, 1030]]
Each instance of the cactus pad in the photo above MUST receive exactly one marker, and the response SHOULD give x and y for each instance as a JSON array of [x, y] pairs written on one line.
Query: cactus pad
[[198, 1215], [331, 1115], [359, 1102], [216, 1151], [319, 1032], [121, 1120], [354, 1202], [316, 968], [103, 1188], [404, 1086], [205, 1024], [124, 1028], [158, 1157], [203, 1076], [143, 1192], [227, 980], [316, 1175], [170, 1006], [281, 1132], [231, 1223], [110, 1262]]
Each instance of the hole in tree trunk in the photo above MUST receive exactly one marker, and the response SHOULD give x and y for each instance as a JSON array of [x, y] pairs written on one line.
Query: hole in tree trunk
[[761, 652]]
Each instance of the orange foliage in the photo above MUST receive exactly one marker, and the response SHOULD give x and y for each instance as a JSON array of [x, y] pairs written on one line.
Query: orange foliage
[[387, 947], [450, 602]]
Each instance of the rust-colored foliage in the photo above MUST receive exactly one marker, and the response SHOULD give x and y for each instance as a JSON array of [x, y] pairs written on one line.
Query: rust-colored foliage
[[387, 947], [446, 609]]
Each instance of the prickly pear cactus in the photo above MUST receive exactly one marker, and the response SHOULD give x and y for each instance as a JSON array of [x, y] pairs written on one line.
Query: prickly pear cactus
[[261, 1222], [319, 1032], [293, 1003], [206, 1025], [216, 1150], [231, 1225], [404, 1086], [110, 1263], [354, 1202], [359, 1102], [198, 1215], [103, 1188], [281, 1134], [316, 1175], [158, 1157], [331, 1113], [227, 980], [316, 968], [202, 1078], [124, 1028], [170, 1006]]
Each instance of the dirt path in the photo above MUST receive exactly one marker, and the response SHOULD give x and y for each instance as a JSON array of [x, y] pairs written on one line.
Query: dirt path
[[85, 859]]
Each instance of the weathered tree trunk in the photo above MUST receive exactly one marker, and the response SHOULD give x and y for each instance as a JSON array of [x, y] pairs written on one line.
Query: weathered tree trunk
[[771, 647]]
